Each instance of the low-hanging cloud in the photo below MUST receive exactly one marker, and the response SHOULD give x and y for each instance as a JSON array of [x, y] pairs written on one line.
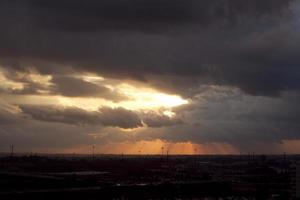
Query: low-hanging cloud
[[76, 87], [105, 116], [118, 117]]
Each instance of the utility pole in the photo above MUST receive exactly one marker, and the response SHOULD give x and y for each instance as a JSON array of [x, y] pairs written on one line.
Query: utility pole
[[162, 151], [93, 152], [11, 150]]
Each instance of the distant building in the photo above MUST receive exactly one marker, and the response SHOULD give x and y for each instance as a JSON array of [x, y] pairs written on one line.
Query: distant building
[[295, 178]]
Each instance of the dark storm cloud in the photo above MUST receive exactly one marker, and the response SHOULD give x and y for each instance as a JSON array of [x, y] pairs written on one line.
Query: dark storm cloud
[[247, 44], [105, 116], [117, 117], [120, 117], [154, 119], [228, 116], [79, 15]]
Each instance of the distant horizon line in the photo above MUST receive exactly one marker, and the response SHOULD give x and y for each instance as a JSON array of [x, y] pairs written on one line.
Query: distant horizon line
[[124, 154]]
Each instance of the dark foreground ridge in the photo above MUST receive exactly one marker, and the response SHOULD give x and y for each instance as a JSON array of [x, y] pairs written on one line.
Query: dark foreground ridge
[[148, 177]]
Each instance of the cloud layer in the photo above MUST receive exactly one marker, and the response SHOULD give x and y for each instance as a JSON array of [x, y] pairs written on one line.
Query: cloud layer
[[248, 44], [236, 61], [105, 116]]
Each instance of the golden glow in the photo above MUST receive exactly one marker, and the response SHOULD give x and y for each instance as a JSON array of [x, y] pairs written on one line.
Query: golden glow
[[169, 113], [9, 108], [155, 147], [90, 104], [137, 97], [9, 84], [290, 146], [31, 76], [146, 98], [44, 80], [92, 78]]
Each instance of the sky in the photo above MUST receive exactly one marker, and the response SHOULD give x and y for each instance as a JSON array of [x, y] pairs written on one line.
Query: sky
[[150, 76]]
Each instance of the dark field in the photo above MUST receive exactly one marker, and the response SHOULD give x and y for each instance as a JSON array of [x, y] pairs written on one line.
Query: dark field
[[148, 177]]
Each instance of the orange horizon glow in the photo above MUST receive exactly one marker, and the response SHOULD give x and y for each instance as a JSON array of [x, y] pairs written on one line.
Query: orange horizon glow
[[149, 148], [154, 147]]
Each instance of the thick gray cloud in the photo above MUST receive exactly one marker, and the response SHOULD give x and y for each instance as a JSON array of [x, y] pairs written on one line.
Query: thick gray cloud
[[117, 117], [65, 85], [218, 114], [29, 135], [248, 44], [227, 115], [249, 49], [94, 15], [76, 87], [154, 119], [114, 117], [29, 86]]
